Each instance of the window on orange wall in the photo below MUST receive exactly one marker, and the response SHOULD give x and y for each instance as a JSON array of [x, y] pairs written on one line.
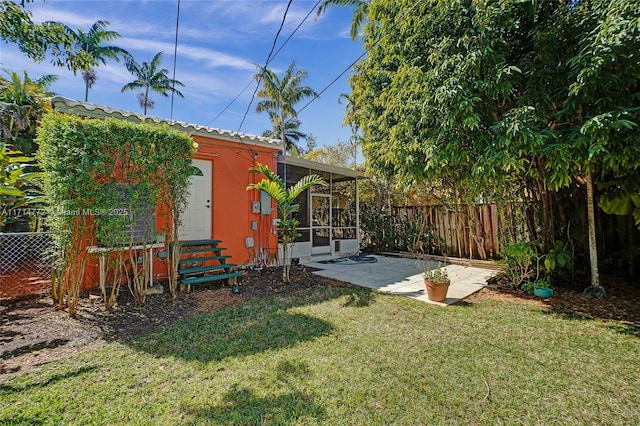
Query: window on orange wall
[[135, 212]]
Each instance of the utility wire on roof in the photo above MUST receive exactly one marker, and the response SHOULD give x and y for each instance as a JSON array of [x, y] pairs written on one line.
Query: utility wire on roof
[[175, 60], [267, 63], [269, 58], [359, 57]]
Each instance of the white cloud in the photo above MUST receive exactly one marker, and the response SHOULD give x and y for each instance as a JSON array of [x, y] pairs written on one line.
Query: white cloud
[[204, 86], [251, 17], [275, 13], [212, 58], [115, 72], [73, 20]]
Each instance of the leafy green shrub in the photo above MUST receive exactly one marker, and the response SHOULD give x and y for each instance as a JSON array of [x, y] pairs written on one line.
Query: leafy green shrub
[[528, 287], [384, 231], [541, 284], [84, 161], [558, 257], [523, 263], [519, 259]]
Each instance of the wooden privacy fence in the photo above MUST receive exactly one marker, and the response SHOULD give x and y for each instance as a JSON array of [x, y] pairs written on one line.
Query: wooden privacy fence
[[468, 231], [478, 232]]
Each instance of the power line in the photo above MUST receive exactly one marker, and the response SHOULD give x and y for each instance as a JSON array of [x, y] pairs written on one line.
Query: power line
[[333, 81], [230, 103], [359, 57], [296, 29], [175, 60], [267, 63]]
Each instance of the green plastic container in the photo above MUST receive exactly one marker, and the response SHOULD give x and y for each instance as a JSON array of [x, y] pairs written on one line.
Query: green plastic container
[[543, 292]]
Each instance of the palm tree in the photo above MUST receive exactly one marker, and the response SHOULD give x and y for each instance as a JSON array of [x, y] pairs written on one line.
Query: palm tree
[[90, 50], [361, 8], [22, 103], [149, 76], [285, 198], [280, 96], [292, 133]]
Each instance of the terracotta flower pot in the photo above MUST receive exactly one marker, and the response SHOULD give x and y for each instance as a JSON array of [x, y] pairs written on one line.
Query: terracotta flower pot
[[436, 292]]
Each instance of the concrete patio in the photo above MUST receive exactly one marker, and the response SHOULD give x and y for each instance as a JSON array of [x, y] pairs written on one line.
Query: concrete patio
[[403, 276]]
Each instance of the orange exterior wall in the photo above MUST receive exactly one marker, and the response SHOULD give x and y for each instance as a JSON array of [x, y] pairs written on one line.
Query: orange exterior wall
[[231, 206], [231, 202]]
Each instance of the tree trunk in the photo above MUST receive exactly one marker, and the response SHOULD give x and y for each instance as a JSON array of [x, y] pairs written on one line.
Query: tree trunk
[[146, 99], [282, 134], [595, 289], [285, 263]]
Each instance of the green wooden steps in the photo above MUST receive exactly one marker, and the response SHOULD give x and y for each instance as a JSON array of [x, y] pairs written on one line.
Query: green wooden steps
[[192, 268]]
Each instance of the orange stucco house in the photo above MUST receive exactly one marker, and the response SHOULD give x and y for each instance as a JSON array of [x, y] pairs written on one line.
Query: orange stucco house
[[244, 222]]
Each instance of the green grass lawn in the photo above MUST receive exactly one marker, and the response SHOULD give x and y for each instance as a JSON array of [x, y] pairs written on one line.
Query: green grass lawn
[[345, 356]]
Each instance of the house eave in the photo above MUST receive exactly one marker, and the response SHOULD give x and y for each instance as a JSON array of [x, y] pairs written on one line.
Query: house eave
[[86, 109], [301, 162]]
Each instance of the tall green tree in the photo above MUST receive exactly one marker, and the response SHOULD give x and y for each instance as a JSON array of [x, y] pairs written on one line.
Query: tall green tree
[[90, 49], [341, 154], [527, 96], [279, 97], [285, 198], [34, 40], [360, 9], [23, 101], [605, 100], [150, 77]]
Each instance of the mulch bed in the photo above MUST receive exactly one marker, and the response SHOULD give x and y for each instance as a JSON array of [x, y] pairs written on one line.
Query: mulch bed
[[621, 304], [34, 332], [23, 282]]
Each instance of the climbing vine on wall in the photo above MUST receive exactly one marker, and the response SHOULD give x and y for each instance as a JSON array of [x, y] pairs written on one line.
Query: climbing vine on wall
[[101, 177]]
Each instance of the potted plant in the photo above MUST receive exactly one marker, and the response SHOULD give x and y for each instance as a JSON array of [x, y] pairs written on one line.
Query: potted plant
[[437, 283], [542, 288]]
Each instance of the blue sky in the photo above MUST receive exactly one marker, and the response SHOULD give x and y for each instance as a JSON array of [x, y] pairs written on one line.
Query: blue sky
[[220, 42]]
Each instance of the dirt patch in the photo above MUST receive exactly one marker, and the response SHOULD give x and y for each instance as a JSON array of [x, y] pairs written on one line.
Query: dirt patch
[[33, 332], [23, 281]]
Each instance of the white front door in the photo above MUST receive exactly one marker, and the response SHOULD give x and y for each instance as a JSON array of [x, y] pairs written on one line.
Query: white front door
[[196, 219]]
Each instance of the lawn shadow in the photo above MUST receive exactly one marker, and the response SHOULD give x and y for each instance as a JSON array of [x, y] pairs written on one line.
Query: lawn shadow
[[48, 344], [620, 327], [628, 329], [464, 304], [360, 299], [238, 330], [287, 370], [241, 406], [10, 389]]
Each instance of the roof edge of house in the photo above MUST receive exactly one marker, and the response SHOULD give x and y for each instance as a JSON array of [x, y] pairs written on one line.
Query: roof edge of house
[[87, 109], [303, 162]]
